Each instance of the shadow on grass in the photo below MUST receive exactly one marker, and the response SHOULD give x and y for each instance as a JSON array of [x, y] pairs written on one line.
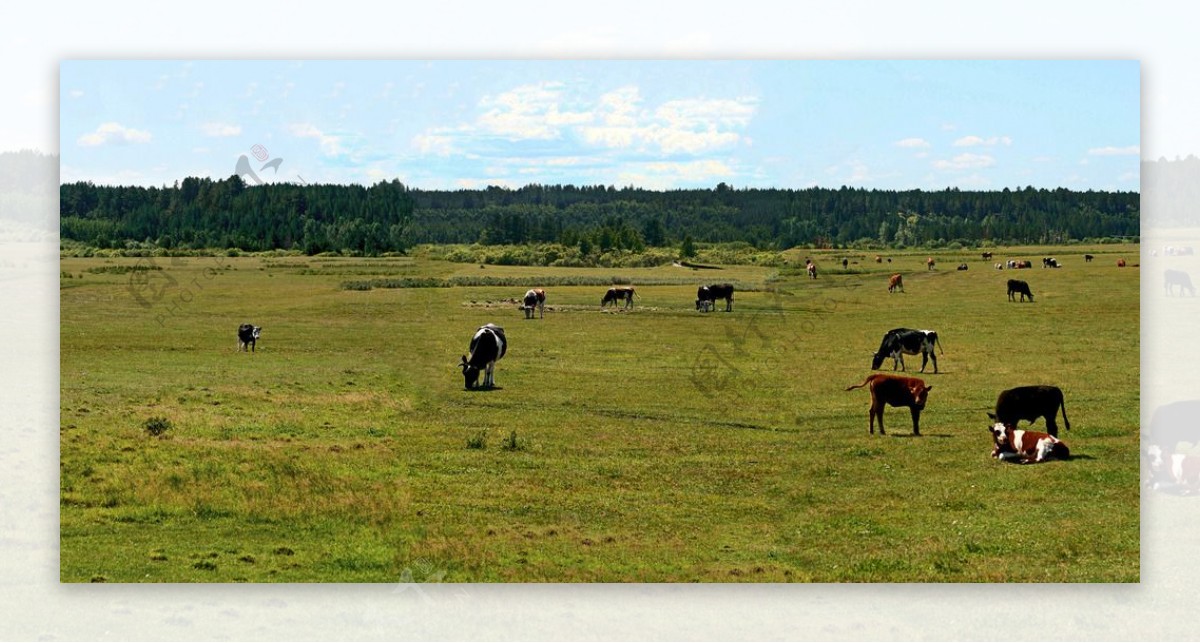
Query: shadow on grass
[[482, 389], [923, 435]]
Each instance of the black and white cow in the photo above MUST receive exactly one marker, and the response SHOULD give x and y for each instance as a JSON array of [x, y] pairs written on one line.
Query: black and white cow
[[1030, 403], [618, 293], [488, 345], [248, 336], [900, 341], [535, 298], [1049, 262], [707, 296], [962, 266], [1172, 278], [1015, 287]]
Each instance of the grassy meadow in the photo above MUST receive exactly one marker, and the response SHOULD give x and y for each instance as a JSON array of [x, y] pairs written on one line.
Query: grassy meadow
[[658, 444]]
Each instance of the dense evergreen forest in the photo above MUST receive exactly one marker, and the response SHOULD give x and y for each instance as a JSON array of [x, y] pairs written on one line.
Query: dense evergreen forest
[[389, 216]]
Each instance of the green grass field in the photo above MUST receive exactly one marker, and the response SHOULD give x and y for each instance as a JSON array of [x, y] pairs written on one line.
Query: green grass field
[[660, 444]]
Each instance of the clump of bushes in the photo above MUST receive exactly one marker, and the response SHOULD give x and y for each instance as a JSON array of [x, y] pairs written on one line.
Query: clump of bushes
[[478, 441], [513, 443], [156, 426]]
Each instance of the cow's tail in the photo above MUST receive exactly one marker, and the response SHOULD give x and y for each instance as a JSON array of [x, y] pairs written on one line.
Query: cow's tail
[[865, 382], [1066, 422], [938, 339]]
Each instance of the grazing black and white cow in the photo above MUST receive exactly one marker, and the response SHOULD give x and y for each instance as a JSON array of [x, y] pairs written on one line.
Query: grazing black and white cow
[[962, 266], [1030, 403], [986, 256], [488, 345], [535, 298], [707, 296], [617, 293], [901, 341], [1011, 444], [248, 336], [1172, 278], [1015, 287], [1049, 262]]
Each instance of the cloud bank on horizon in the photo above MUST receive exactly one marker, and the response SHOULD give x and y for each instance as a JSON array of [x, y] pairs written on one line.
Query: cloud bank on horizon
[[650, 124]]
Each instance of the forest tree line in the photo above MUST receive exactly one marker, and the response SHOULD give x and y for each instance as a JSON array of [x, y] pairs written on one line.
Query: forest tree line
[[391, 217]]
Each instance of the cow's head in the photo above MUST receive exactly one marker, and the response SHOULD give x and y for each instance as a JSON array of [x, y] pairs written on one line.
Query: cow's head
[[256, 332], [920, 394], [877, 361], [470, 373], [1000, 434]]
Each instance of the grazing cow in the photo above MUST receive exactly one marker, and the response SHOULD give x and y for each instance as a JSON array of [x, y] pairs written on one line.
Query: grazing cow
[[878, 259], [488, 345], [895, 282], [1088, 258], [1179, 278], [895, 390], [962, 266], [617, 293], [535, 298], [929, 263], [1120, 263], [1030, 403], [707, 296], [986, 256], [899, 342], [812, 270], [1025, 447], [248, 337], [1016, 286], [1049, 262], [845, 262], [999, 266]]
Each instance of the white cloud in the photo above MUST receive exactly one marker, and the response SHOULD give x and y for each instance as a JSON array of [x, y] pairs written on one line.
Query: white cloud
[[1130, 150], [972, 141], [75, 93], [530, 112], [221, 129], [912, 142], [114, 133], [330, 145], [658, 175], [965, 161]]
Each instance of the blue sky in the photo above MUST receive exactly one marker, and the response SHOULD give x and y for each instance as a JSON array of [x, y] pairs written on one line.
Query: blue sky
[[654, 124]]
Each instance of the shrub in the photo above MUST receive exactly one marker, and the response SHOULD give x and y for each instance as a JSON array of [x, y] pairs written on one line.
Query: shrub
[[156, 426], [478, 441], [512, 442]]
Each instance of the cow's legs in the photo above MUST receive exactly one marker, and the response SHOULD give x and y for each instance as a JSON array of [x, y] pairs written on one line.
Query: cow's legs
[[1051, 425], [916, 416]]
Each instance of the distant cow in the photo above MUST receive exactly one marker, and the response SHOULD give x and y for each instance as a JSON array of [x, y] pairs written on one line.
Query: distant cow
[[1049, 262], [878, 259], [812, 270], [1030, 403], [895, 390], [962, 266], [899, 342], [929, 263], [1026, 447], [617, 293], [488, 345], [1017, 264], [999, 266], [1172, 278], [845, 262], [1088, 258], [535, 298], [986, 256], [1120, 263], [895, 282], [1177, 470], [707, 296], [248, 337], [1016, 286]]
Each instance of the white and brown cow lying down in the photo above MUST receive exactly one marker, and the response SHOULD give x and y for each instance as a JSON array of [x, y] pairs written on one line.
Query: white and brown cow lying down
[[895, 390], [534, 298], [1011, 444], [488, 345], [1176, 471]]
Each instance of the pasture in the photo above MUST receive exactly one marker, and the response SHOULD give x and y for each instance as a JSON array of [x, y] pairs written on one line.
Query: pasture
[[657, 445]]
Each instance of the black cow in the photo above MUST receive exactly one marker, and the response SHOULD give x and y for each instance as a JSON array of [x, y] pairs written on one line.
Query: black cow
[[1030, 403], [488, 345], [618, 293], [1179, 278], [248, 336], [1016, 286], [707, 296], [962, 266], [1088, 258], [900, 341]]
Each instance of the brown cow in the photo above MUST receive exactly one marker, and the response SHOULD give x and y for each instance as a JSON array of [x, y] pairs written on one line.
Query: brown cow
[[895, 390], [894, 282], [878, 259], [1120, 263], [929, 263]]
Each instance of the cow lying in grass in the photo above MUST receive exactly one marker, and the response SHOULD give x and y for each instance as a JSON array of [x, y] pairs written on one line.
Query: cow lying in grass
[[895, 390], [1011, 444], [1179, 471]]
